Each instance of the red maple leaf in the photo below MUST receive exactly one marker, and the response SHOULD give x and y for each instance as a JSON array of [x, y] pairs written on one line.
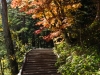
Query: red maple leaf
[[37, 31], [47, 38]]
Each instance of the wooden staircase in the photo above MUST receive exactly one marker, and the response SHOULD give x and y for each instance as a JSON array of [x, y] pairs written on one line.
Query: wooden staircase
[[40, 62]]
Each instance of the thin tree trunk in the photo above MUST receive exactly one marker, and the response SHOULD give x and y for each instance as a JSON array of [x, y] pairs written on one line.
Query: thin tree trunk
[[23, 33], [98, 11], [8, 40]]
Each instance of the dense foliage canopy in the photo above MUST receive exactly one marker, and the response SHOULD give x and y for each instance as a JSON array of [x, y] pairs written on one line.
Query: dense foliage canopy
[[53, 14]]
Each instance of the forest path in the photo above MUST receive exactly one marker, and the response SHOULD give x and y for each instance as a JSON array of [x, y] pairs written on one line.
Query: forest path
[[40, 62]]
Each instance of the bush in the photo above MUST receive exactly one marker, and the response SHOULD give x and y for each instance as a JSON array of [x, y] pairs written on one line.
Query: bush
[[77, 60]]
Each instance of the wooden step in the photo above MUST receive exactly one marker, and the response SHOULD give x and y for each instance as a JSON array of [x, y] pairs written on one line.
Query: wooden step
[[40, 62]]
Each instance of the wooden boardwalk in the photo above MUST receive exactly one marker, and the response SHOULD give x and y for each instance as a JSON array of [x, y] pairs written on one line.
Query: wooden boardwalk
[[40, 62]]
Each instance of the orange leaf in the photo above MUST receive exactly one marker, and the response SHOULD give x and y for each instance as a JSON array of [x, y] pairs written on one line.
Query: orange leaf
[[38, 31], [47, 38], [54, 34], [15, 3]]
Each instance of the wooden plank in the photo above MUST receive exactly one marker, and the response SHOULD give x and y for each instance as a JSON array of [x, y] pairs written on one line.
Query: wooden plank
[[40, 62]]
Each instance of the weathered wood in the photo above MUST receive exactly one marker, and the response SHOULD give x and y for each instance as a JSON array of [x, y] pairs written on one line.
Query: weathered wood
[[40, 62]]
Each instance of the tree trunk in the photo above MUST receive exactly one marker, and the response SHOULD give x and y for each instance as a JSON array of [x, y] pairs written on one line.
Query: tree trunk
[[63, 38], [98, 11], [8, 40]]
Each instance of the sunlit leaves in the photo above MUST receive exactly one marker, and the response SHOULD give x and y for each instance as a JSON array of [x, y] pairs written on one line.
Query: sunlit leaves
[[77, 5], [47, 38], [51, 36], [39, 30], [16, 3], [53, 14], [37, 15], [55, 34]]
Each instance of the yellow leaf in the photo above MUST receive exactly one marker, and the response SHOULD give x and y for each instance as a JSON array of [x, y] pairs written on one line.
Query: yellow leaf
[[37, 15], [48, 15], [52, 21], [68, 6], [78, 5]]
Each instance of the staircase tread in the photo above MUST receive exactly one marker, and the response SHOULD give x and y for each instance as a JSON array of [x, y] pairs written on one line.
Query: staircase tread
[[40, 62]]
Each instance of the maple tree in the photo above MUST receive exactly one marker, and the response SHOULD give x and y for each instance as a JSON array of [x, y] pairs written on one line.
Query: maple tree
[[54, 15]]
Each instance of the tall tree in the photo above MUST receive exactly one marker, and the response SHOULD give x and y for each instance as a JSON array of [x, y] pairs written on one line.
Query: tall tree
[[54, 15], [59, 16], [8, 40]]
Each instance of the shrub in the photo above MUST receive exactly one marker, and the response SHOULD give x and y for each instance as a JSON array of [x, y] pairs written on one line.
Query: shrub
[[77, 60]]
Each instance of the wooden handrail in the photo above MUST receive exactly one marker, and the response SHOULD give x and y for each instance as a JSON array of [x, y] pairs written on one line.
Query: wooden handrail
[[25, 60]]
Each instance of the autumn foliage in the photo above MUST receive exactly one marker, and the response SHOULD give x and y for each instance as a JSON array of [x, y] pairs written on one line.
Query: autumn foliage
[[53, 14]]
